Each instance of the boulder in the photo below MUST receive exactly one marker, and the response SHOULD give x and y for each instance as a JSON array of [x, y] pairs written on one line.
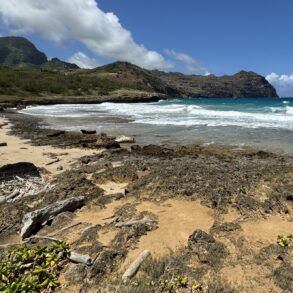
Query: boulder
[[21, 169]]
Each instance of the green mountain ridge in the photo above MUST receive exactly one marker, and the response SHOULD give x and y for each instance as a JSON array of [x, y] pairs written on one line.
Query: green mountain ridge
[[26, 72]]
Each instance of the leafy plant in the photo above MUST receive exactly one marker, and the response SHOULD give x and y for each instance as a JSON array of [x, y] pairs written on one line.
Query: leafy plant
[[196, 287], [284, 240], [182, 281], [32, 269], [243, 190]]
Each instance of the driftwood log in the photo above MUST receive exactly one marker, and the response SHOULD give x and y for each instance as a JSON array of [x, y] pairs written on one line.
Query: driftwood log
[[32, 220], [133, 222], [80, 258], [134, 267]]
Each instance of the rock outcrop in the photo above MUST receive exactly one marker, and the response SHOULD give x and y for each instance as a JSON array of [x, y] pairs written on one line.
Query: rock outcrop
[[243, 84]]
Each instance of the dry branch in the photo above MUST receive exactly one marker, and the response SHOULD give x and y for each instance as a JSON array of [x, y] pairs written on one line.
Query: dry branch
[[133, 222]]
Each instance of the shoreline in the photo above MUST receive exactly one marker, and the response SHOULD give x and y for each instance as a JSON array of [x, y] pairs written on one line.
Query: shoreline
[[240, 198], [13, 102]]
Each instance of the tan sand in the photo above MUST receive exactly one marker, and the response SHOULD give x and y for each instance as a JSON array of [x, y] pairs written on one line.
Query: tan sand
[[177, 220], [20, 150]]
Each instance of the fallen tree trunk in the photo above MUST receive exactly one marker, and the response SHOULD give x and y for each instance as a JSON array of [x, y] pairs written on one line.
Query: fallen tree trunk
[[133, 222], [80, 258], [32, 220], [133, 268]]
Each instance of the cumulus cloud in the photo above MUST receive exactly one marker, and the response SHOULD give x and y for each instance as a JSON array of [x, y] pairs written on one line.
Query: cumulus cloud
[[191, 65], [80, 20], [283, 83], [83, 61]]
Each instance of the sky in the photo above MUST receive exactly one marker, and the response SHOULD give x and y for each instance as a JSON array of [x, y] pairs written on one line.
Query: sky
[[191, 36]]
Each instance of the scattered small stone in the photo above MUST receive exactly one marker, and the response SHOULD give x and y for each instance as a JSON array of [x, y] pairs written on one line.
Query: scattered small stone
[[3, 144], [60, 168]]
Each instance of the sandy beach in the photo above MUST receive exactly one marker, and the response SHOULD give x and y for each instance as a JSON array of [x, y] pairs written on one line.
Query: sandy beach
[[206, 207], [20, 150]]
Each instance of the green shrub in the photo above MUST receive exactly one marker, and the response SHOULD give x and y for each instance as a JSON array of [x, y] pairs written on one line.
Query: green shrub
[[32, 269]]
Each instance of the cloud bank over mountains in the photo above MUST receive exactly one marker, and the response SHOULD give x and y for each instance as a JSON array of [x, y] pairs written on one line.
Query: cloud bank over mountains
[[80, 20], [83, 61], [191, 65], [283, 83]]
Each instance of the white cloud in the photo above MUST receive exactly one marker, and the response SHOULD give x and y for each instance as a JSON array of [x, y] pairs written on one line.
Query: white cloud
[[191, 65], [80, 20], [283, 83], [83, 61]]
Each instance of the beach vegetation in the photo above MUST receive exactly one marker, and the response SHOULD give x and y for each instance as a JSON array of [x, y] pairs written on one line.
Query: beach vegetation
[[284, 240], [32, 269]]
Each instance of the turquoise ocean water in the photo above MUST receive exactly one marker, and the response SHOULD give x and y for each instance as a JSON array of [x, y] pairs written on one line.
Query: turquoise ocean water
[[264, 123]]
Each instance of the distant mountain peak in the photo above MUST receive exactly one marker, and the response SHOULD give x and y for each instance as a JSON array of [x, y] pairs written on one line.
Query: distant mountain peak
[[19, 52]]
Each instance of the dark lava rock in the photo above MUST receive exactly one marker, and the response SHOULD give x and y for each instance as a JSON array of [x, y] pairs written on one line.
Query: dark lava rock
[[56, 133], [283, 276], [75, 273], [106, 262], [7, 172], [225, 227], [3, 144], [207, 249], [85, 131], [104, 141], [289, 197]]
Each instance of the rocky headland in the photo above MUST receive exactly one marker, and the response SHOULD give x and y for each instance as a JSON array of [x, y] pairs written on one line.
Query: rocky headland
[[28, 77]]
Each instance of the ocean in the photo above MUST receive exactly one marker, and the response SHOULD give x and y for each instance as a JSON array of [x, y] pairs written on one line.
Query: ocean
[[261, 123]]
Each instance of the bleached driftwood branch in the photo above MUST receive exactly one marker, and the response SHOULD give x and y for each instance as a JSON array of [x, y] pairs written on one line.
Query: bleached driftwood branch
[[9, 197], [33, 219], [80, 258], [133, 222], [134, 267]]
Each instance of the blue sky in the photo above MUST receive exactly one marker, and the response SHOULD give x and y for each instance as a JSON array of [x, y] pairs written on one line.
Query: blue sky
[[192, 36]]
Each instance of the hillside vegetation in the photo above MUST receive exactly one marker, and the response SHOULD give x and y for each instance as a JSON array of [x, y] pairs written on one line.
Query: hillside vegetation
[[26, 73]]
